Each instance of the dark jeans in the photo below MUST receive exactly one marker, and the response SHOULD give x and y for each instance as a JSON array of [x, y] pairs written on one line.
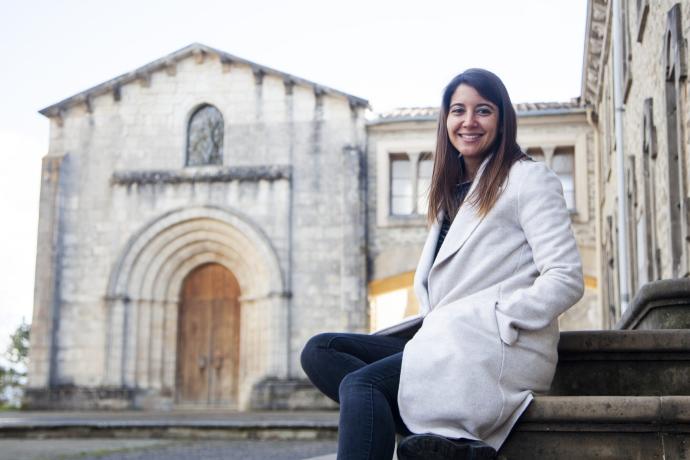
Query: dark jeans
[[362, 373]]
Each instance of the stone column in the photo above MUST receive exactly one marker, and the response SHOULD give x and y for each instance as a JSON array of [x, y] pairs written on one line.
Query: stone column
[[42, 366], [115, 341]]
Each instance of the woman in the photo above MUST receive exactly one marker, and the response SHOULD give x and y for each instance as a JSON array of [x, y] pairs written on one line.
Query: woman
[[499, 266]]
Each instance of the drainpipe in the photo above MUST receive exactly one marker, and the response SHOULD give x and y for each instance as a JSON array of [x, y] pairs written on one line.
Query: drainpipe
[[618, 60]]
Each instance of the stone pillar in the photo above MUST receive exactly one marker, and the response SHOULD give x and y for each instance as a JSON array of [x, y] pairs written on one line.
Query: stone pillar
[[115, 341], [353, 258], [169, 351], [156, 346], [42, 365]]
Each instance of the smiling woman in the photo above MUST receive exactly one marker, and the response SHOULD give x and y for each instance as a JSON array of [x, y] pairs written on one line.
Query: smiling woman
[[499, 265]]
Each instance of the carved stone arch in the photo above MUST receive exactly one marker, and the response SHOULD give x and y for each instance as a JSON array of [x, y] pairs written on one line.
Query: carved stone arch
[[144, 292]]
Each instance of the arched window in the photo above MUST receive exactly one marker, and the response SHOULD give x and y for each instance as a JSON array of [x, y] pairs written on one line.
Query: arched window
[[205, 137]]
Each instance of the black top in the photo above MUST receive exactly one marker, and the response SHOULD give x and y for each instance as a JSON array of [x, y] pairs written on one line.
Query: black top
[[460, 194]]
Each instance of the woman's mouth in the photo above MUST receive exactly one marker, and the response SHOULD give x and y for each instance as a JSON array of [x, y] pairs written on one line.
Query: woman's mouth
[[470, 137]]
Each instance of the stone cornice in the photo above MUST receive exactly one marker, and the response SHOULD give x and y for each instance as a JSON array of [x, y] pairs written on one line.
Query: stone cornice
[[201, 175], [168, 65], [522, 109], [596, 36]]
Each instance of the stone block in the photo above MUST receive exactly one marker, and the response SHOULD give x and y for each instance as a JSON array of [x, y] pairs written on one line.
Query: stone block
[[663, 304], [293, 394]]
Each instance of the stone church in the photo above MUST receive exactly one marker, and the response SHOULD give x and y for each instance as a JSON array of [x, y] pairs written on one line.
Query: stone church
[[202, 216]]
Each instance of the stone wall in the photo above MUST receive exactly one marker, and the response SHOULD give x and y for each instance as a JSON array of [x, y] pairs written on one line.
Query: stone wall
[[648, 158]]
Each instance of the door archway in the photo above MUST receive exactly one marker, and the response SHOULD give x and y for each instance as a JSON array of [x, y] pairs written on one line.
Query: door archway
[[208, 334]]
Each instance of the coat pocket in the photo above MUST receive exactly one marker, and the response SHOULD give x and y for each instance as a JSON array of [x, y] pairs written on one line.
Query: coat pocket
[[508, 333]]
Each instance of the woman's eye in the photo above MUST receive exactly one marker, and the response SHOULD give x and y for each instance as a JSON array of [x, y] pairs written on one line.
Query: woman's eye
[[484, 112]]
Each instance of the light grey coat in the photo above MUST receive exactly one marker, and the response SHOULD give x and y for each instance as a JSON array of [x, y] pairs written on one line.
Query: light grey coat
[[491, 300]]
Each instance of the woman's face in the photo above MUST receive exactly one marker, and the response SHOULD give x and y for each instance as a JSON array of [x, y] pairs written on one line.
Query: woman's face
[[472, 124]]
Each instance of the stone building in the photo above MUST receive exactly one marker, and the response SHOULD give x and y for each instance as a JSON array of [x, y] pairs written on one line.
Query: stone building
[[400, 153], [202, 216], [655, 142]]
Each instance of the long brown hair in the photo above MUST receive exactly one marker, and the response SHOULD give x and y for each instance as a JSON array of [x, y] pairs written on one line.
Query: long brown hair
[[448, 163]]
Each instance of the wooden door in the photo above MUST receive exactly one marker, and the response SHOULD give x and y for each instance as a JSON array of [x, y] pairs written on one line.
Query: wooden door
[[208, 337]]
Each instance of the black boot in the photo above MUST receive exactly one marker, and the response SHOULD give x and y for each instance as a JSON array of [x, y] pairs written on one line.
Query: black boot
[[434, 447]]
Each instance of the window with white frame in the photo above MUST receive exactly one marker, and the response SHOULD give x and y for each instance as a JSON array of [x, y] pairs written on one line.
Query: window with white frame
[[561, 160], [563, 164], [410, 179], [424, 170], [401, 185]]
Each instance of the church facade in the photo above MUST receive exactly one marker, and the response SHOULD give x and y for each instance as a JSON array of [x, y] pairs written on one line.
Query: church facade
[[202, 216]]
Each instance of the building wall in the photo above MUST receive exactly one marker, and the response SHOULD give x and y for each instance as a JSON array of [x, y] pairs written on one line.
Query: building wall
[[648, 158]]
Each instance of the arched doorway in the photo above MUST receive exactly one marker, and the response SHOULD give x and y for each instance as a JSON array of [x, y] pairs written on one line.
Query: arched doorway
[[208, 334]]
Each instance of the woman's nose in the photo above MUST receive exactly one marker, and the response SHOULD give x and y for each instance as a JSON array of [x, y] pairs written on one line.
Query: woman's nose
[[470, 119]]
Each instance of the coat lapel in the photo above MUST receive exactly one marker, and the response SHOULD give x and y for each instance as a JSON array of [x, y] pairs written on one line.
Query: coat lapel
[[464, 224], [425, 260]]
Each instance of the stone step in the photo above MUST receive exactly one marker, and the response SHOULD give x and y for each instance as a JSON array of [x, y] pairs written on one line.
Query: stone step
[[602, 427], [170, 425], [623, 363], [553, 427]]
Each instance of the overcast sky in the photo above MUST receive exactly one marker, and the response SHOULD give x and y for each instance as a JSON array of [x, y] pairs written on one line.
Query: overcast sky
[[393, 53]]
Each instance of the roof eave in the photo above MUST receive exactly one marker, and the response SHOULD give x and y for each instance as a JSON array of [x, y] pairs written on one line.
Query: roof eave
[[550, 112], [385, 121], [165, 61]]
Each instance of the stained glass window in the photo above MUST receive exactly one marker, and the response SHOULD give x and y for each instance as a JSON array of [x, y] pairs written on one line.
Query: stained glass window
[[205, 137]]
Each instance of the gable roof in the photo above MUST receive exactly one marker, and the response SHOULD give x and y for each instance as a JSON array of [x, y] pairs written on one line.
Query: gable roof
[[195, 49]]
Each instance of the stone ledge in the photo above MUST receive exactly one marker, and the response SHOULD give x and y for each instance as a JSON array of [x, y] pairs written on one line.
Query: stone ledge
[[544, 410], [201, 175], [671, 296], [609, 410], [668, 340], [72, 397]]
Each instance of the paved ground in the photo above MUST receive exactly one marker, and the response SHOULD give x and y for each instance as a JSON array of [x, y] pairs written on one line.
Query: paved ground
[[173, 435], [215, 417], [163, 449]]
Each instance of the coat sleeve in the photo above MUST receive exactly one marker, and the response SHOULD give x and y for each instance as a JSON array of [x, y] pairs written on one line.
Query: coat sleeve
[[542, 213]]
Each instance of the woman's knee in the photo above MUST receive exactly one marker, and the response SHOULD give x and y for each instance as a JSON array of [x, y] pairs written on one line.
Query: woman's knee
[[354, 382], [313, 350]]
